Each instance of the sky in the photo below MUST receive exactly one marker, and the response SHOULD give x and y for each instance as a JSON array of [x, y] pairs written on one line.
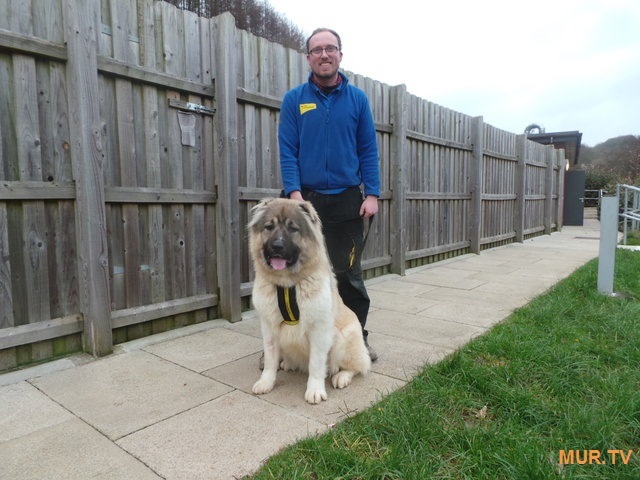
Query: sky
[[563, 64]]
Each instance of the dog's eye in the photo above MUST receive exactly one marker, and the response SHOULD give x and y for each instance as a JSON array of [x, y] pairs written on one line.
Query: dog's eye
[[293, 228], [269, 227]]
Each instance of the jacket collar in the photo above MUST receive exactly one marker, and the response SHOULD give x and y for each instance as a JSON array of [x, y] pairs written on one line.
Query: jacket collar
[[343, 82]]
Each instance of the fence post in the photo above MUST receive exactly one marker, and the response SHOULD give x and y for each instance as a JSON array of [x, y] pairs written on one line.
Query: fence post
[[521, 185], [399, 159], [228, 206], [548, 191], [475, 182], [561, 161], [82, 22], [608, 241]]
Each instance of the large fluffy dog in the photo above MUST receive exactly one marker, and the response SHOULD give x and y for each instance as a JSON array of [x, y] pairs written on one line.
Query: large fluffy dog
[[317, 333]]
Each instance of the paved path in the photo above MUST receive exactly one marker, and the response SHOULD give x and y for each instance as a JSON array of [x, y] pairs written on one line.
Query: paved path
[[179, 405]]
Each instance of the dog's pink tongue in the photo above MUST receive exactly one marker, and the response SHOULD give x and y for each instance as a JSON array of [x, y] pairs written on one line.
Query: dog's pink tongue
[[278, 263]]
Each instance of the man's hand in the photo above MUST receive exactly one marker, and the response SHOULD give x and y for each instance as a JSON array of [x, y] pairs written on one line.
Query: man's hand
[[369, 207], [296, 195]]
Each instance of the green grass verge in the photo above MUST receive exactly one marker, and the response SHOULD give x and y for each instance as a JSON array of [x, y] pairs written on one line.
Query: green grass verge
[[562, 373], [633, 238]]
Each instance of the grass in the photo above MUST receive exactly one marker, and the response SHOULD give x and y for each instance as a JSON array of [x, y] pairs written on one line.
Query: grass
[[633, 237], [562, 373]]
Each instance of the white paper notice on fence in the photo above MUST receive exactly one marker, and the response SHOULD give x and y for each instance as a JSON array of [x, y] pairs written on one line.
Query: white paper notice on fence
[[187, 123]]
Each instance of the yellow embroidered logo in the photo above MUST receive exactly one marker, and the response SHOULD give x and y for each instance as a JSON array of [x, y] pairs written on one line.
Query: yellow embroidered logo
[[305, 107]]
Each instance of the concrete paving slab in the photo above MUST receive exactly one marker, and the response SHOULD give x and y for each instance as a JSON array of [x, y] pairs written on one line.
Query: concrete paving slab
[[226, 438], [21, 402], [208, 349], [250, 324], [402, 358], [445, 278], [401, 285], [69, 450], [430, 330], [124, 393], [475, 267], [523, 289], [290, 387], [397, 302], [474, 297], [140, 343], [518, 277], [20, 375], [484, 316]]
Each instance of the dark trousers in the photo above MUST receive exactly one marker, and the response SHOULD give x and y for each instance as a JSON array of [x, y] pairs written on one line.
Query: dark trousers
[[343, 230]]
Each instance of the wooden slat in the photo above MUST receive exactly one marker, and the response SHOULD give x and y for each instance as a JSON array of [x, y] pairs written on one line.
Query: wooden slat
[[437, 196], [158, 195], [36, 190], [438, 141], [6, 289], [87, 156], [109, 66], [40, 331], [32, 46], [258, 99], [146, 313], [229, 226]]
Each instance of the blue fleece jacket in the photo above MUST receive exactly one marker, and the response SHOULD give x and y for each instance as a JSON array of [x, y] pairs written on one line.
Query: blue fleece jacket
[[328, 142]]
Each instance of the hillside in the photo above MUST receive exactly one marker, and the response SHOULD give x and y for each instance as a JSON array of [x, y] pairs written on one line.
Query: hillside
[[619, 157]]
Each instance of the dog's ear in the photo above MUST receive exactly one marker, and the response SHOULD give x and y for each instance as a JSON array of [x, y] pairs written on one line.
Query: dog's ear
[[257, 211], [309, 211]]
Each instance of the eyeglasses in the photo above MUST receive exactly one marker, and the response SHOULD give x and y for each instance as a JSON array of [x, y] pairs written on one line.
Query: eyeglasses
[[330, 49]]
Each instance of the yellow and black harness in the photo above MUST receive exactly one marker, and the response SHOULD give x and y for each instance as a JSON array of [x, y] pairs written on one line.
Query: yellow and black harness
[[288, 305], [287, 301]]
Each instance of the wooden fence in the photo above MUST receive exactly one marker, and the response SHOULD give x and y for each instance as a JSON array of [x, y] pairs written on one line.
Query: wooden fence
[[135, 139]]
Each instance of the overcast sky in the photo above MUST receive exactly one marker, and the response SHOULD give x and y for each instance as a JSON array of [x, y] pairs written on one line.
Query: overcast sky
[[564, 64]]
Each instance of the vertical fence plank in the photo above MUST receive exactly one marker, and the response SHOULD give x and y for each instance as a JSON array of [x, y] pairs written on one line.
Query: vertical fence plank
[[82, 27], [6, 300], [560, 159], [229, 227], [477, 160], [521, 152], [548, 191], [398, 178]]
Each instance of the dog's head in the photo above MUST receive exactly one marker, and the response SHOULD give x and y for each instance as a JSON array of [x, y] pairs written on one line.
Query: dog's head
[[284, 234]]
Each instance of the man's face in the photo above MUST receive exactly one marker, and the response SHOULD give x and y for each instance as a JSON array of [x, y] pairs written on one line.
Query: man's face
[[323, 64]]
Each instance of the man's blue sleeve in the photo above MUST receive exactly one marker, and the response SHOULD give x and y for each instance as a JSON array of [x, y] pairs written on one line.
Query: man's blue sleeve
[[289, 143]]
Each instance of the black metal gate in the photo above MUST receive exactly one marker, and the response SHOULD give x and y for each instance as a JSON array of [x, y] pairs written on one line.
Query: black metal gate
[[573, 209]]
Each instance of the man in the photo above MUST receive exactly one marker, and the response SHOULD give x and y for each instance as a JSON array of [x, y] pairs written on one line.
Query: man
[[328, 151]]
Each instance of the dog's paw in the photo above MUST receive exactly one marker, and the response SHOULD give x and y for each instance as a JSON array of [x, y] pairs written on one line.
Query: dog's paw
[[315, 396], [342, 379], [263, 386]]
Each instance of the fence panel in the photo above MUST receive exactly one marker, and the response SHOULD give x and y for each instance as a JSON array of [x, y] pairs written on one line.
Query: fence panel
[[38, 270], [535, 187], [134, 163], [157, 146], [499, 186], [438, 185]]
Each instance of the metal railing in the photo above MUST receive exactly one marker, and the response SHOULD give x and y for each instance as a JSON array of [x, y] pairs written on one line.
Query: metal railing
[[592, 198], [629, 210]]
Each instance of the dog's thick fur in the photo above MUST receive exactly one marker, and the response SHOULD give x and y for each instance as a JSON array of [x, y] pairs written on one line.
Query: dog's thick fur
[[288, 249]]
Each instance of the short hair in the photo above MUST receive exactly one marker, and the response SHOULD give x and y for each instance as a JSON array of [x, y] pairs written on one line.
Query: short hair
[[322, 29]]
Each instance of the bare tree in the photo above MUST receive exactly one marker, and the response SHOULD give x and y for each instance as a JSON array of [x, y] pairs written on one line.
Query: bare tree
[[255, 16]]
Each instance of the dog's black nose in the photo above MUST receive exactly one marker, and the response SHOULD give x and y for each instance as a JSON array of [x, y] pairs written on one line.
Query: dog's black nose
[[277, 244]]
